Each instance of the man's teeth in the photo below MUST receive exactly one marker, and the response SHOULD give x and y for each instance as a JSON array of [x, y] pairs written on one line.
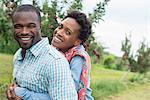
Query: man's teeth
[[25, 38]]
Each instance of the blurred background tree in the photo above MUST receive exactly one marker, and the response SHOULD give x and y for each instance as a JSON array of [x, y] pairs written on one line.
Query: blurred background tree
[[50, 11], [7, 44], [139, 62]]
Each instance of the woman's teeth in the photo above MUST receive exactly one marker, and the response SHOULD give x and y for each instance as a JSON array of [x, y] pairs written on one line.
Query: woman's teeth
[[57, 39]]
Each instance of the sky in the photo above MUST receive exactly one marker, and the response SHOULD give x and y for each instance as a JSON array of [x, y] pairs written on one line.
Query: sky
[[122, 18]]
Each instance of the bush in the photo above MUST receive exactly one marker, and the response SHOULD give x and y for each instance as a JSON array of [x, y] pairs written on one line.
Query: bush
[[109, 63], [141, 78]]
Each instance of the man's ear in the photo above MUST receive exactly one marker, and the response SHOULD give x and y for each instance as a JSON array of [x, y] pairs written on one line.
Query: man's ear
[[40, 25], [77, 42]]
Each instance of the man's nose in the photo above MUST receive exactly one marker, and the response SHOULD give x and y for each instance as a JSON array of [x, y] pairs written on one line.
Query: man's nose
[[25, 30]]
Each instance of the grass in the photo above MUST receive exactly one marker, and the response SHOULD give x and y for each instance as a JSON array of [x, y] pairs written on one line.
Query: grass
[[5, 68], [98, 72], [5, 73], [102, 89], [106, 82], [138, 92]]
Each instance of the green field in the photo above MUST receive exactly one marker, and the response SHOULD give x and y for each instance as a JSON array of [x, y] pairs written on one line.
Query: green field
[[5, 68], [105, 83], [5, 73]]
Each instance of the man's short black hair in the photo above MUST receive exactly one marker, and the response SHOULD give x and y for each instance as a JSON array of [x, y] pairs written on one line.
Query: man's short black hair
[[83, 21], [28, 8]]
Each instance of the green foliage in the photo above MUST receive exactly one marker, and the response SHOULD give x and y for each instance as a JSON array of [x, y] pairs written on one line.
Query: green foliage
[[109, 62], [126, 45], [143, 60], [98, 48], [56, 8], [98, 12], [142, 63], [7, 43], [106, 88], [76, 5], [141, 78], [128, 57], [137, 78], [120, 65], [48, 19], [112, 62]]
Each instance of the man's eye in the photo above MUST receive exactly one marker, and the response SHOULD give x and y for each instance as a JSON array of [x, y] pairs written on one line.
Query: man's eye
[[17, 26], [31, 26]]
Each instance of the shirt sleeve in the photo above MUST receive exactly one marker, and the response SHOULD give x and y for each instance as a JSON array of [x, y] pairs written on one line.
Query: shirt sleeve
[[76, 68], [61, 85]]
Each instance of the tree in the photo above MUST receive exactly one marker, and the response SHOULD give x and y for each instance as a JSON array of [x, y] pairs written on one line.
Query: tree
[[6, 39], [50, 13], [143, 58], [142, 63]]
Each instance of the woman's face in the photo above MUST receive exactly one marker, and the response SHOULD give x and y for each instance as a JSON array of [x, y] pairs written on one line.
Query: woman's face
[[66, 34]]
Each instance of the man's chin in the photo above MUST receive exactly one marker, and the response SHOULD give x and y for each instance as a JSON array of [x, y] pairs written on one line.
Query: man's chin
[[25, 47]]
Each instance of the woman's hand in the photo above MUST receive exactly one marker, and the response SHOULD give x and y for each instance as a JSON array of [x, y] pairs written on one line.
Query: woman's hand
[[10, 93]]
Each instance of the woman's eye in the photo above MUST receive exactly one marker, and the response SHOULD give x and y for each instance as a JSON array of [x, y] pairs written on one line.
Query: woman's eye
[[60, 26], [68, 33]]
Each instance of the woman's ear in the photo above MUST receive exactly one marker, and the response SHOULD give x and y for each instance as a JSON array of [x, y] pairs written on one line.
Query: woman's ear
[[77, 42]]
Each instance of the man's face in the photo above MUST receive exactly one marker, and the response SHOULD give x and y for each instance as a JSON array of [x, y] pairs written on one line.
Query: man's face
[[66, 34], [26, 28]]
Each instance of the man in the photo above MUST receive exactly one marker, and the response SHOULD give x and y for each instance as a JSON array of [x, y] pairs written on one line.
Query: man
[[38, 66]]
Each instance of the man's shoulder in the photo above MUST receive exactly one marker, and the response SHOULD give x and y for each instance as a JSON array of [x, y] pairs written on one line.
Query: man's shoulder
[[54, 52], [17, 53]]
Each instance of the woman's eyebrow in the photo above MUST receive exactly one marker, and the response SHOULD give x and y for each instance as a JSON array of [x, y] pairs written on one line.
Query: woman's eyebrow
[[60, 24], [67, 28]]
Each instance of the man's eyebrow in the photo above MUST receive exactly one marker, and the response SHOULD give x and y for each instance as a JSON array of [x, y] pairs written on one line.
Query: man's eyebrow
[[32, 24], [17, 25]]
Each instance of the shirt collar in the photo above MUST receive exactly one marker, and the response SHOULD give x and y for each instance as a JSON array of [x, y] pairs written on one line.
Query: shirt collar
[[19, 56], [80, 47], [35, 49]]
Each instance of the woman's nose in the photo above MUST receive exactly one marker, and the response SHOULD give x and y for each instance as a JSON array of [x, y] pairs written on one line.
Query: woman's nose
[[60, 32]]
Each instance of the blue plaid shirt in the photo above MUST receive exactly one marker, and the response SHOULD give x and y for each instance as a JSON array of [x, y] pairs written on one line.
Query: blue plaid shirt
[[44, 70]]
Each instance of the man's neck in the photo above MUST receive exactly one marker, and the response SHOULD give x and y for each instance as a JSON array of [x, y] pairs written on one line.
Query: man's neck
[[23, 53]]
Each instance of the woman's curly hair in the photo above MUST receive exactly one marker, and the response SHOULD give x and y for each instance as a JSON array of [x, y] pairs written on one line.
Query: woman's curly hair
[[83, 21]]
